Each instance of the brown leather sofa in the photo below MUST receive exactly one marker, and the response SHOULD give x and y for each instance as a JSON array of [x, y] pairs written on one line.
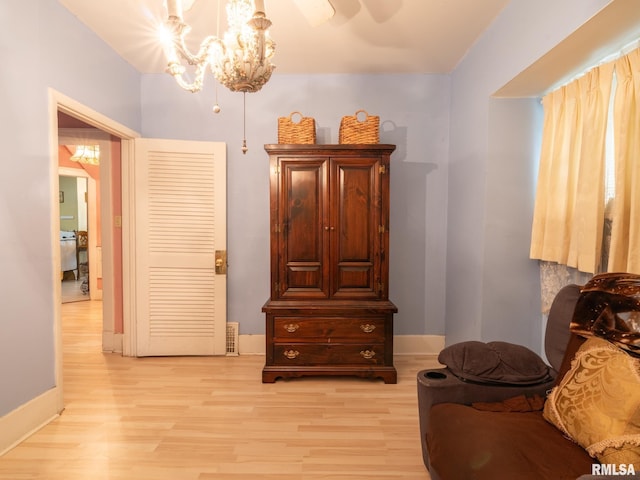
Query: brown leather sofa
[[497, 411], [478, 430]]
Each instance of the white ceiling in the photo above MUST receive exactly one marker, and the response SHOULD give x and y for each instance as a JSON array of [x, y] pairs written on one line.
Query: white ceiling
[[364, 36]]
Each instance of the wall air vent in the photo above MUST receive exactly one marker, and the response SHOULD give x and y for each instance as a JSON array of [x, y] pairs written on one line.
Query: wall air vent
[[232, 339]]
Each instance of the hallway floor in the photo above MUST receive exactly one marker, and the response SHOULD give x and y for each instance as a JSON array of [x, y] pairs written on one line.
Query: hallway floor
[[72, 291]]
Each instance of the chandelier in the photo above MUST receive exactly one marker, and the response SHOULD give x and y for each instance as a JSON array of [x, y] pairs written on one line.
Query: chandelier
[[240, 60], [87, 154]]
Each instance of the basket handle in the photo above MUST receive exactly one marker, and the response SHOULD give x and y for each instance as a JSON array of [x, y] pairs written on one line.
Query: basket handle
[[291, 117], [365, 118]]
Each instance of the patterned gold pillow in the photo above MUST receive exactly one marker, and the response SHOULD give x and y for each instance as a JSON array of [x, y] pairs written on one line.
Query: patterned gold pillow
[[597, 403]]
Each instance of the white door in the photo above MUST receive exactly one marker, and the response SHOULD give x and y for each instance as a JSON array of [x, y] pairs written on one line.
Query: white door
[[180, 218]]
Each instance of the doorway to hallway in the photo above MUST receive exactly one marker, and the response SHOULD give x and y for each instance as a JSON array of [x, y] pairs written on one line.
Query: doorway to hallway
[[77, 206], [89, 196]]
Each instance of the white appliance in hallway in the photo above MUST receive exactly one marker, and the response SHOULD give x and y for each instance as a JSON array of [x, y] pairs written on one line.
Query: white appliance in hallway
[[68, 256]]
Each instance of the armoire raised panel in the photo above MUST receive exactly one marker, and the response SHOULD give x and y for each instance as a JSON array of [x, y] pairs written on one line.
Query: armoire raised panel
[[329, 311]]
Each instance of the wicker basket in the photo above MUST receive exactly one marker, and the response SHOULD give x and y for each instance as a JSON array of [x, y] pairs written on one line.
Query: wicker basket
[[353, 130], [303, 131]]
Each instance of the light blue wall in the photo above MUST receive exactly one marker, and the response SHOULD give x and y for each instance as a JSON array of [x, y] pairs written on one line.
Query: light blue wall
[[414, 115], [487, 289], [41, 46], [510, 280]]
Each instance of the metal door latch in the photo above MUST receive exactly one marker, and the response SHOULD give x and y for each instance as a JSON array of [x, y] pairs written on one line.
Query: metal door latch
[[221, 262]]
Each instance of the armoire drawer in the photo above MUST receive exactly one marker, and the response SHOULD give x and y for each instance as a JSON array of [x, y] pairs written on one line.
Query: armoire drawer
[[328, 354], [324, 329]]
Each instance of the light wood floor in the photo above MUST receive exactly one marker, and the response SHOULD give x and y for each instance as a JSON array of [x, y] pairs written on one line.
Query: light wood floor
[[194, 418], [72, 291]]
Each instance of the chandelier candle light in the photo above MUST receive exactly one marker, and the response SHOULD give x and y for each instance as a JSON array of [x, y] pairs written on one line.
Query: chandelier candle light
[[241, 60]]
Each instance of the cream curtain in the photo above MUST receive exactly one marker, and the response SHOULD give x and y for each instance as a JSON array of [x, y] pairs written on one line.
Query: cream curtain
[[624, 254], [569, 209]]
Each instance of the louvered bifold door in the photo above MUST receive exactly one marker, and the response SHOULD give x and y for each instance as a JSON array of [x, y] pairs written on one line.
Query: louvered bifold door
[[180, 224]]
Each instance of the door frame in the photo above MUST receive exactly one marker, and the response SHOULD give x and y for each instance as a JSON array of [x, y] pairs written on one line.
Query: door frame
[[62, 103]]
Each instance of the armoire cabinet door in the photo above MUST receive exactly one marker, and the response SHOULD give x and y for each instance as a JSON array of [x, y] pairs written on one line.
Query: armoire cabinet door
[[303, 219], [355, 228]]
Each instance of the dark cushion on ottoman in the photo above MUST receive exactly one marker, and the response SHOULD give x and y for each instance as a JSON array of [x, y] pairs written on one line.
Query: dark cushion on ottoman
[[495, 363]]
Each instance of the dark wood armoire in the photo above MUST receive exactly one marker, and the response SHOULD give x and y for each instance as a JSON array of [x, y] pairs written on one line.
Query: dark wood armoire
[[329, 311]]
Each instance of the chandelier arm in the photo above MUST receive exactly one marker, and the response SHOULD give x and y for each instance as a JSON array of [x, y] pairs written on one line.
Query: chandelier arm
[[179, 50], [178, 31], [203, 51], [177, 70], [178, 75]]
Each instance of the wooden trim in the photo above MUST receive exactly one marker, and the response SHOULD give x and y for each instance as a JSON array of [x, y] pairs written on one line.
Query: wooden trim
[[62, 103], [27, 419], [333, 149], [112, 342]]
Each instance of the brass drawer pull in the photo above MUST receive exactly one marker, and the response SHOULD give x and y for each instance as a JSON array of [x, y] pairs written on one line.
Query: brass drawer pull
[[291, 354], [367, 328], [368, 354], [291, 327]]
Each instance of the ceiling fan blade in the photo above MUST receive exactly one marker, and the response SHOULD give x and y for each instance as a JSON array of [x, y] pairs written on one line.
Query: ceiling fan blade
[[316, 11]]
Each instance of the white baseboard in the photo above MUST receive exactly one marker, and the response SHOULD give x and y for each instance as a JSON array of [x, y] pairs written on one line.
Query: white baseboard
[[251, 344], [112, 342], [402, 344], [417, 344], [27, 419]]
